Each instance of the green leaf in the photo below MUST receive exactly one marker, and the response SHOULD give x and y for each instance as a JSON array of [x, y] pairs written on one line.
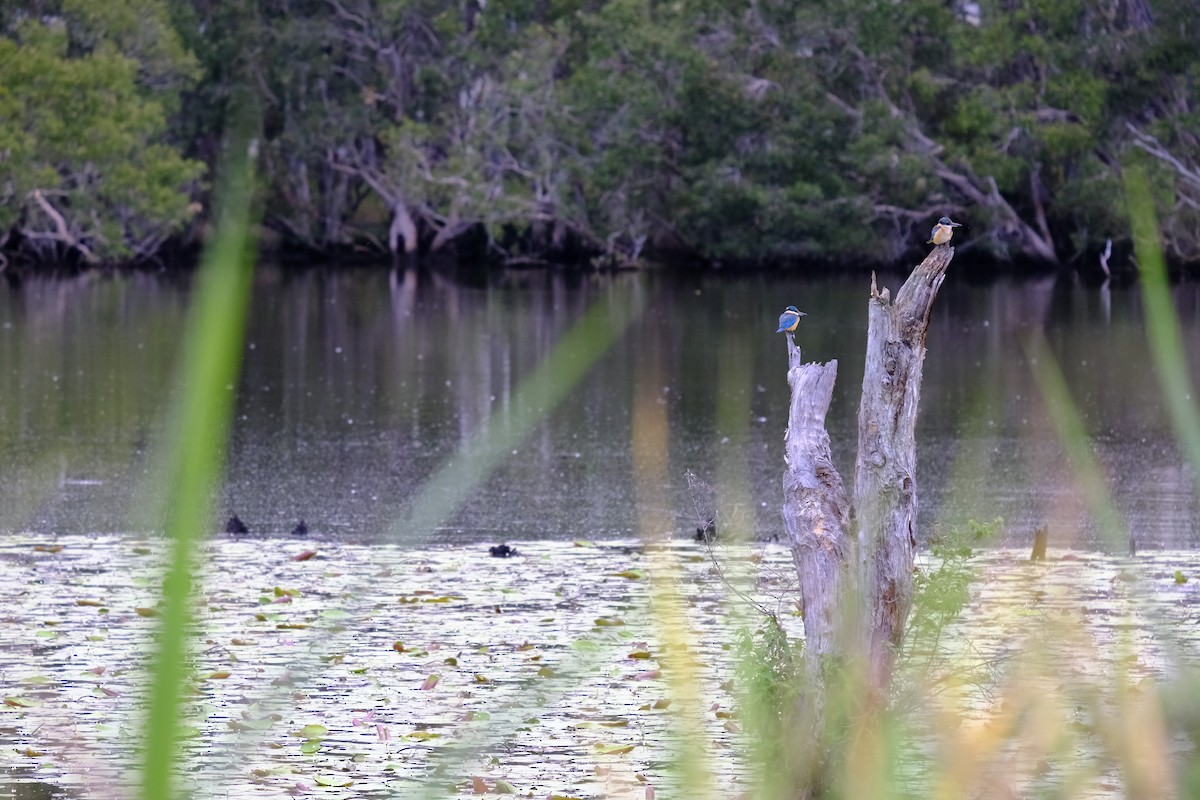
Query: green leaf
[[335, 613]]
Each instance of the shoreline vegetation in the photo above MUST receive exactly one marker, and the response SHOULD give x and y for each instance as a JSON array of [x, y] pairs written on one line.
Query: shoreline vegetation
[[602, 133]]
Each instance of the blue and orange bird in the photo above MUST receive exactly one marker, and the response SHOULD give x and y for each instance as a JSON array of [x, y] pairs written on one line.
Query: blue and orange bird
[[789, 319], [942, 232]]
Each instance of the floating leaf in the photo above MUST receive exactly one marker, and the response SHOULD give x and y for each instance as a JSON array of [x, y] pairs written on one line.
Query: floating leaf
[[188, 732], [332, 780], [422, 736], [398, 647], [608, 622], [583, 543], [503, 787], [482, 678], [143, 611], [335, 613], [84, 602], [36, 680], [606, 749], [281, 592], [304, 555], [258, 723], [21, 702], [220, 675], [478, 785], [631, 574], [661, 703], [546, 672], [313, 731], [1180, 577], [640, 653], [47, 548], [310, 746], [431, 682]]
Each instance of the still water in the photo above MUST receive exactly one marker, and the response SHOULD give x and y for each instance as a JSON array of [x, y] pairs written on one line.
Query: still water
[[359, 385]]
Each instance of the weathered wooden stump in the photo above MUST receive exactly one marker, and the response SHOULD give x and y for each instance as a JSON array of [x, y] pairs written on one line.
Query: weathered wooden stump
[[816, 511], [862, 569], [1039, 544]]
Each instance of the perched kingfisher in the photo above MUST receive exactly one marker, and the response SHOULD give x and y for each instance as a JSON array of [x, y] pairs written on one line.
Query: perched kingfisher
[[942, 232], [789, 319]]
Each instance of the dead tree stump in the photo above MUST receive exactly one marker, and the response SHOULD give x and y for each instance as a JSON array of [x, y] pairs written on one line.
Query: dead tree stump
[[874, 554], [816, 511], [1040, 537]]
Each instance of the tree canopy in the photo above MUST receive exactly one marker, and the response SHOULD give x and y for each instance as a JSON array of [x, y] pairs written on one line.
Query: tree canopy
[[742, 132]]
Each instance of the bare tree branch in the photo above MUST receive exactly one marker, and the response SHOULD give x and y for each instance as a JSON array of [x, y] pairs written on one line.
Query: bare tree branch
[[63, 233]]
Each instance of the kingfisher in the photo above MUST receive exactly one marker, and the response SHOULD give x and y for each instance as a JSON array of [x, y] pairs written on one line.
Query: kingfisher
[[942, 232], [789, 319]]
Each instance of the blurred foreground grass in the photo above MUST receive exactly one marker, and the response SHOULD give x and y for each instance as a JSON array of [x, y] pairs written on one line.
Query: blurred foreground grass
[[200, 416]]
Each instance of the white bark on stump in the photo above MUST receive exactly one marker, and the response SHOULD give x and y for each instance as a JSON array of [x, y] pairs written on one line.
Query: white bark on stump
[[885, 490], [856, 578], [816, 511]]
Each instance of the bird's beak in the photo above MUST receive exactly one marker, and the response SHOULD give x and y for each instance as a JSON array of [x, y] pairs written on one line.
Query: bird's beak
[[801, 314], [955, 224]]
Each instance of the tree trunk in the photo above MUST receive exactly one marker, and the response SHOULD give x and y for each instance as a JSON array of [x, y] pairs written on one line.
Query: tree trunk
[[403, 227], [856, 579], [816, 511], [885, 489]]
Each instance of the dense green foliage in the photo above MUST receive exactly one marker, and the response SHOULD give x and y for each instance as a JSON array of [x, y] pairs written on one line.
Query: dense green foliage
[[835, 130], [87, 168]]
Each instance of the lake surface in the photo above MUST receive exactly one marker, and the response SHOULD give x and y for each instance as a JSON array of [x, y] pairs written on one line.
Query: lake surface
[[359, 386], [572, 670], [411, 419]]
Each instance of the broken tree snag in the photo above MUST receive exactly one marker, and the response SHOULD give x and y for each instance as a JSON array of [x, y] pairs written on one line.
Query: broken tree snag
[[816, 510], [1039, 544], [885, 491]]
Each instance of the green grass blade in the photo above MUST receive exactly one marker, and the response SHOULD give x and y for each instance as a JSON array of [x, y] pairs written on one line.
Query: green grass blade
[[1162, 324], [200, 420], [1068, 424], [535, 398]]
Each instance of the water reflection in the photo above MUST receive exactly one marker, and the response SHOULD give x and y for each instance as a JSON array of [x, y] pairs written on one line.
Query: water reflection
[[359, 384]]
